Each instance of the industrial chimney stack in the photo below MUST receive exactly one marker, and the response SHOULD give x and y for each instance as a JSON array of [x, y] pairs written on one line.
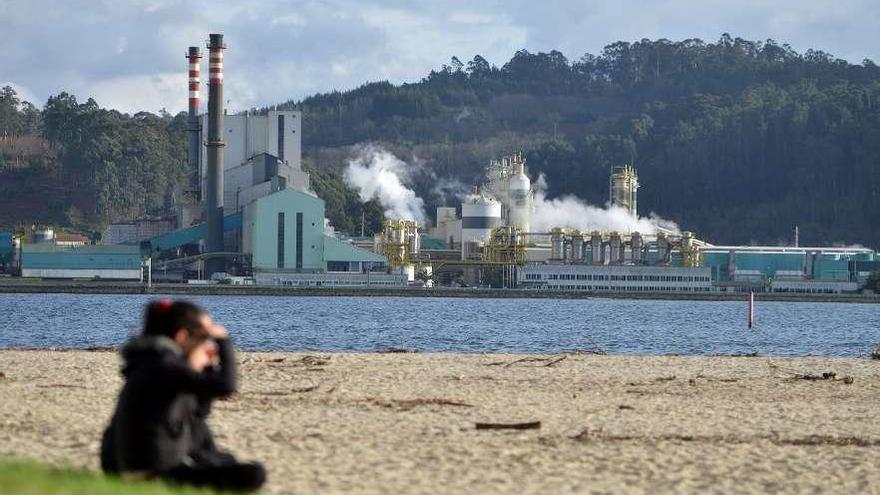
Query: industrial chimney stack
[[194, 130], [215, 143]]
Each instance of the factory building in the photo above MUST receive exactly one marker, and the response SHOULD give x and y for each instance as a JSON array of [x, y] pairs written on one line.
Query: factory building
[[136, 231], [284, 235], [259, 158], [84, 262], [447, 228], [258, 176], [275, 133], [615, 278], [71, 240], [805, 270], [493, 231]]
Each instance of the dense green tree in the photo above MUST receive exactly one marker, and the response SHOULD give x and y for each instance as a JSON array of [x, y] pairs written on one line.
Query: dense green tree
[[112, 166]]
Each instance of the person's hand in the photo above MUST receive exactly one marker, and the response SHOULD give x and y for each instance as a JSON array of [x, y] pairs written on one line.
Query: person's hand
[[215, 330]]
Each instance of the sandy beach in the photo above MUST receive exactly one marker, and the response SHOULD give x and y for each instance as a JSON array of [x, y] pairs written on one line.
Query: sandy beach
[[406, 423]]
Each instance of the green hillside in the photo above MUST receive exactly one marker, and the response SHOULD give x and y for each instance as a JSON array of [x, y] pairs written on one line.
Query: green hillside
[[736, 140]]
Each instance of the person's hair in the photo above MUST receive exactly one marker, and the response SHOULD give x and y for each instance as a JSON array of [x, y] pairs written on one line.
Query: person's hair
[[165, 318]]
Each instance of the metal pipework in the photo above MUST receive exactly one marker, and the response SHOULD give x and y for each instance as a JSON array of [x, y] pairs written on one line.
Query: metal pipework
[[215, 144], [194, 128]]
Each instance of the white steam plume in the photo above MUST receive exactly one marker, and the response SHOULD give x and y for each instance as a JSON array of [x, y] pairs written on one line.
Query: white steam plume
[[572, 212], [378, 174]]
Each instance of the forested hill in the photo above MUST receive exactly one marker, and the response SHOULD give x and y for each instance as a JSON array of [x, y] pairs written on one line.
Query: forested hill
[[738, 141]]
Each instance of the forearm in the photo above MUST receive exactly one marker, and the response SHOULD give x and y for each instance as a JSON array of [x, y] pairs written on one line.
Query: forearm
[[228, 371]]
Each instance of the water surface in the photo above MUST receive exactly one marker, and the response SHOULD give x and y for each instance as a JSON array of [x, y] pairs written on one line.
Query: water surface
[[462, 325]]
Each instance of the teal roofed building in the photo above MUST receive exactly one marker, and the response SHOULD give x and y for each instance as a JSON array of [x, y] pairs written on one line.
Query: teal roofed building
[[120, 262], [823, 270]]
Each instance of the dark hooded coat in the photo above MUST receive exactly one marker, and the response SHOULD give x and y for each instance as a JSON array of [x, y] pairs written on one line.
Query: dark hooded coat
[[159, 422]]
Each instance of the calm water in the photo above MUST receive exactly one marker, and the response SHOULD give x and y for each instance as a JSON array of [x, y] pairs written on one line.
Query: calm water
[[462, 325]]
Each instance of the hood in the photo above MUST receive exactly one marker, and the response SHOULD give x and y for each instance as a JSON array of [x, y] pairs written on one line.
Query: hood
[[142, 349]]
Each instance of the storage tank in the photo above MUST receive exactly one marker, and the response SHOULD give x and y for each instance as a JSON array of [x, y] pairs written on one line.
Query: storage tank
[[616, 248], [557, 244], [520, 189], [577, 247], [597, 248], [479, 215], [664, 249], [636, 244], [415, 240]]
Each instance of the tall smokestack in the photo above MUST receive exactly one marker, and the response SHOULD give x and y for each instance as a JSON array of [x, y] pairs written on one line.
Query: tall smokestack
[[214, 194], [194, 128]]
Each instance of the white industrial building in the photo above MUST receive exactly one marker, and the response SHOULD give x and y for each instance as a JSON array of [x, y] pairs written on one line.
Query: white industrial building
[[611, 278], [790, 286], [262, 155]]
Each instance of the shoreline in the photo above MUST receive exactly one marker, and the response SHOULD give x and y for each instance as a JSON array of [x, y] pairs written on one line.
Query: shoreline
[[91, 287], [429, 423]]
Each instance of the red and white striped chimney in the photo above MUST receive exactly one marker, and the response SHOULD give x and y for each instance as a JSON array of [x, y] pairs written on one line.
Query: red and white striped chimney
[[215, 60], [194, 57], [194, 129]]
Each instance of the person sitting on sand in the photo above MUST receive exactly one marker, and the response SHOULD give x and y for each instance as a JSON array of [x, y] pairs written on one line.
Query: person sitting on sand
[[181, 362]]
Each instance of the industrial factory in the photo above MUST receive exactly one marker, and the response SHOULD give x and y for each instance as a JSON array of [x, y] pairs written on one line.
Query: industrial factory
[[491, 242], [246, 214]]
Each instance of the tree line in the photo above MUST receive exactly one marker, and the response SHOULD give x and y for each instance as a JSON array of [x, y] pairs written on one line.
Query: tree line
[[736, 140]]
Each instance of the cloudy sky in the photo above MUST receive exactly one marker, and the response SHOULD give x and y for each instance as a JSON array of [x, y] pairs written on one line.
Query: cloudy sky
[[129, 54]]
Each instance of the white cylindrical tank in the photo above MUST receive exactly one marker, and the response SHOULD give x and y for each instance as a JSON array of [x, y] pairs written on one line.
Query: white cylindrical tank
[[520, 189], [479, 215]]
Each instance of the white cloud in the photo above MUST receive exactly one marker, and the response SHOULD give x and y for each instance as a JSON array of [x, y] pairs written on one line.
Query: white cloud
[[134, 93], [24, 94], [465, 17], [341, 69], [288, 49]]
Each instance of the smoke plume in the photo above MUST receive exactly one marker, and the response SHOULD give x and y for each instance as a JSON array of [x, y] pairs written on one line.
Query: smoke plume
[[572, 212], [378, 174]]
